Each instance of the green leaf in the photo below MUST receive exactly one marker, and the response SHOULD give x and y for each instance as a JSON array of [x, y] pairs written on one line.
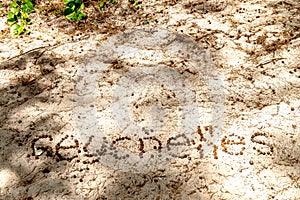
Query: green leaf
[[11, 21], [10, 15], [68, 11], [81, 6], [25, 15], [80, 16], [14, 29], [112, 1], [101, 4], [17, 29], [27, 21], [68, 1], [15, 11], [72, 6], [27, 7], [72, 16], [21, 29], [14, 5], [77, 16]]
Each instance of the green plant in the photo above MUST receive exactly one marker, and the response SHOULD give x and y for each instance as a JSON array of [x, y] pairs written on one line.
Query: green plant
[[136, 3], [73, 9], [103, 3], [18, 16], [146, 21]]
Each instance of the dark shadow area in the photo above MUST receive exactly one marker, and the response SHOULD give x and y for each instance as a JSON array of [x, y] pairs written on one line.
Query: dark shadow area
[[154, 185], [33, 56], [291, 24], [285, 17], [17, 142], [32, 171], [287, 145], [28, 87], [205, 6]]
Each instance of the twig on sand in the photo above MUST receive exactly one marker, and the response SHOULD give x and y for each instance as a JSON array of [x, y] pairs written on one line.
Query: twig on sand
[[269, 61], [47, 48]]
